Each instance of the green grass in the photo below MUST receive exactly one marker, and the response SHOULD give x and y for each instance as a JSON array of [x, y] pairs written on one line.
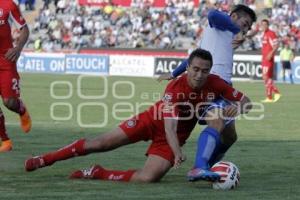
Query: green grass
[[267, 152]]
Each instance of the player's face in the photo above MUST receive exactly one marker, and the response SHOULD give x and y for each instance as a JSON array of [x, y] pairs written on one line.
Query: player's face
[[244, 22], [198, 71], [264, 26]]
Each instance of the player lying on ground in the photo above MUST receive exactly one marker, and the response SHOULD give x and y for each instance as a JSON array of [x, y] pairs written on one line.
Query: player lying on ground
[[168, 124], [219, 38]]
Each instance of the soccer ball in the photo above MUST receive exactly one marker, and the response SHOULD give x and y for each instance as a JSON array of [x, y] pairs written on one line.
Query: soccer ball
[[230, 175]]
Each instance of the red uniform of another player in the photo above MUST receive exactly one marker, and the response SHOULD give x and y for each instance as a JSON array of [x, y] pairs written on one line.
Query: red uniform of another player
[[269, 47], [269, 41], [168, 124], [9, 77]]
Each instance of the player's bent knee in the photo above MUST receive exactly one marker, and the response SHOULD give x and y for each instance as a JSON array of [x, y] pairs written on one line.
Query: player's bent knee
[[10, 103], [217, 124]]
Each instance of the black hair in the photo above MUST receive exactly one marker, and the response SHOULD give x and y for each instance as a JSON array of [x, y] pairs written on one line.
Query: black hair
[[200, 53], [240, 8]]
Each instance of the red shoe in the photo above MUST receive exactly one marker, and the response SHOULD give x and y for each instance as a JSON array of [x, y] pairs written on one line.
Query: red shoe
[[87, 173], [34, 163]]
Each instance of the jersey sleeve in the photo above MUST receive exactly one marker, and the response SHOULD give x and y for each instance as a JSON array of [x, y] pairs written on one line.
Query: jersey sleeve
[[15, 16], [180, 69], [222, 21]]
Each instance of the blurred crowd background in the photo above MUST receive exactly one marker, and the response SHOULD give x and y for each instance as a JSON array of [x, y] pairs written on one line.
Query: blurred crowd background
[[63, 24]]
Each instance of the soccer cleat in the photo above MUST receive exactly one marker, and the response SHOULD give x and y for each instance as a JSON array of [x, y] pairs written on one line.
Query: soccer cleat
[[34, 163], [276, 97], [6, 146], [86, 173], [267, 100], [25, 122], [202, 174]]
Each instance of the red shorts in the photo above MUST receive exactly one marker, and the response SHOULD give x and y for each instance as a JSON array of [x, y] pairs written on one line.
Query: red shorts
[[141, 127], [267, 69], [9, 84]]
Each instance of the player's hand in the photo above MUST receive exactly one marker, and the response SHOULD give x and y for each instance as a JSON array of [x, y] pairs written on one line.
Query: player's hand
[[165, 77], [269, 57], [237, 41], [230, 111], [179, 158], [13, 54]]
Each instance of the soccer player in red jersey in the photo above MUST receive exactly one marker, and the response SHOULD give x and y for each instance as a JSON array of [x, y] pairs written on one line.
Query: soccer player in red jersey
[[9, 77], [168, 124], [269, 47]]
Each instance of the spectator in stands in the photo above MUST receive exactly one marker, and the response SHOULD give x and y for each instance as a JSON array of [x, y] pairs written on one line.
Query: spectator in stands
[[177, 26], [38, 45]]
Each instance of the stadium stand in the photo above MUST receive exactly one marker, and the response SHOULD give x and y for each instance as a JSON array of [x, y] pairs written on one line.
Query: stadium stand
[[64, 24]]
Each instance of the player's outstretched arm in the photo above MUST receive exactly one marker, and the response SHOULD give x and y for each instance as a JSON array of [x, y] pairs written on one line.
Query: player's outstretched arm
[[165, 77], [245, 105], [222, 21], [179, 70], [172, 139]]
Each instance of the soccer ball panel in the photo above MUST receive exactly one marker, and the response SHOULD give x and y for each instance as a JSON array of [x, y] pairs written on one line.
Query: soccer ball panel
[[230, 175]]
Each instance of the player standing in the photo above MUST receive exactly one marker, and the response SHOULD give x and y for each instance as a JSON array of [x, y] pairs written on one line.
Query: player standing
[[286, 59], [220, 38], [9, 77], [168, 123], [268, 50]]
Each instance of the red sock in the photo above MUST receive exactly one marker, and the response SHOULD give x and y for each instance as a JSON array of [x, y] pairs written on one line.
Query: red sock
[[3, 134], [275, 89], [113, 175], [268, 85], [269, 92], [69, 151]]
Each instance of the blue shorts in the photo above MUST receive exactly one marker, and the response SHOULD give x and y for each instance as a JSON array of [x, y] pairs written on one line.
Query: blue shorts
[[218, 103]]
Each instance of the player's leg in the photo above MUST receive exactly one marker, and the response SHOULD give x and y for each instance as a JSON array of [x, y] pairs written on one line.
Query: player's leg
[[130, 131], [272, 86], [274, 89], [11, 98], [290, 76], [208, 143], [154, 169], [105, 142], [289, 72], [228, 138], [283, 71], [268, 84], [16, 105], [6, 144]]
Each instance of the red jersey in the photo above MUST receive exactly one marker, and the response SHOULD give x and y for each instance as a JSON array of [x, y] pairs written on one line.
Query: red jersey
[[9, 12], [182, 102], [269, 40]]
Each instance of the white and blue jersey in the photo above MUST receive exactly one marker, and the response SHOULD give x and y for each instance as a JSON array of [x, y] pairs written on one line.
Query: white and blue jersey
[[217, 39]]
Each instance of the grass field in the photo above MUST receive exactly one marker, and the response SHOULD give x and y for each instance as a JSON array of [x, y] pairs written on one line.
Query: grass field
[[267, 152]]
